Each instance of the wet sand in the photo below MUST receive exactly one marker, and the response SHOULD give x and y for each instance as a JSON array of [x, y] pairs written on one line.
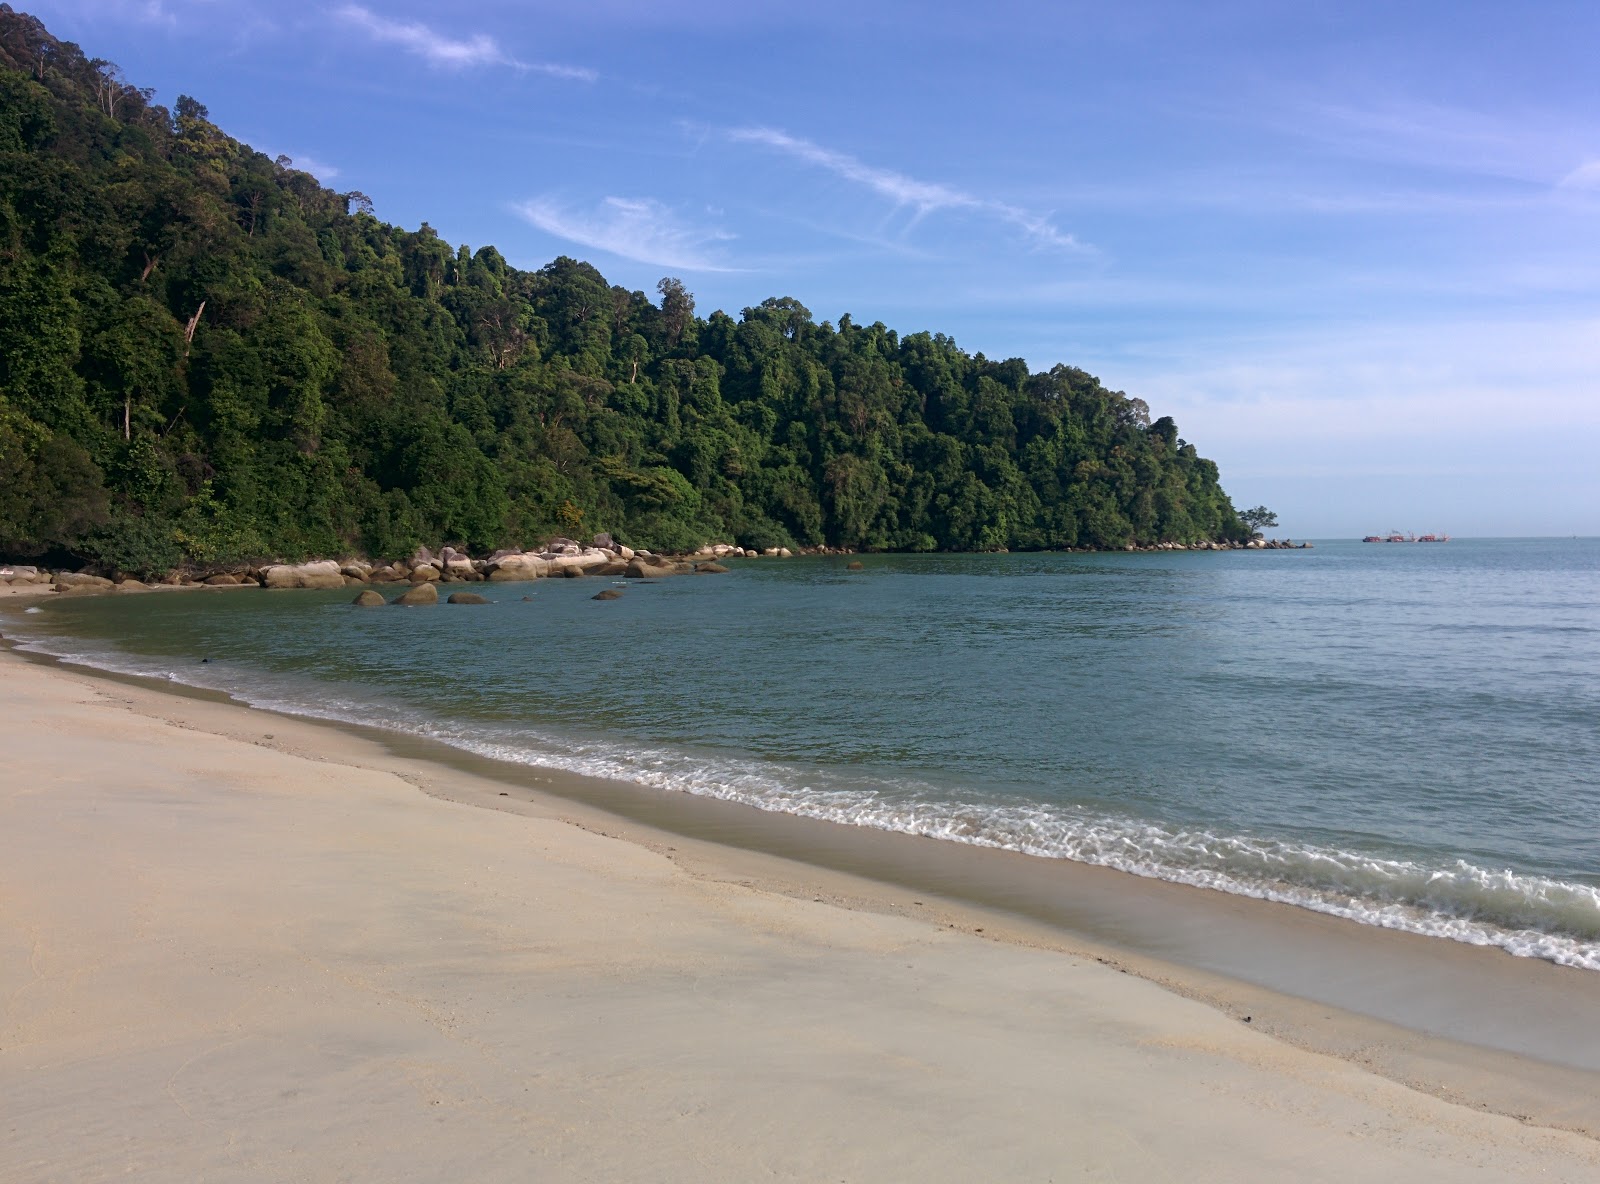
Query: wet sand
[[239, 946]]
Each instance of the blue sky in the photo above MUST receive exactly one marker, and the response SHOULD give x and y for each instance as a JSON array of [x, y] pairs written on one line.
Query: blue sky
[[1350, 247]]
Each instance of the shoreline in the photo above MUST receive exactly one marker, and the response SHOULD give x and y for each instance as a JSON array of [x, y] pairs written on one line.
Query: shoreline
[[1074, 910]]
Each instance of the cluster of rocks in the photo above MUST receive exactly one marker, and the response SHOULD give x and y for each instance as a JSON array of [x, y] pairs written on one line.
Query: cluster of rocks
[[560, 557], [1252, 545], [66, 581]]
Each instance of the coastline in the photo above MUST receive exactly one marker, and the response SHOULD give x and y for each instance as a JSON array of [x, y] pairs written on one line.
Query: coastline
[[705, 855]]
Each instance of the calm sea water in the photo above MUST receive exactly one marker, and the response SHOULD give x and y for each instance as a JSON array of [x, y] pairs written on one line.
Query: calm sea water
[[1407, 735]]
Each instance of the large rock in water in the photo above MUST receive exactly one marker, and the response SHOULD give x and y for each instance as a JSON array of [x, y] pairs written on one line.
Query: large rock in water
[[519, 566], [641, 570], [710, 569], [324, 573], [578, 559], [420, 594], [466, 598], [608, 594], [369, 599]]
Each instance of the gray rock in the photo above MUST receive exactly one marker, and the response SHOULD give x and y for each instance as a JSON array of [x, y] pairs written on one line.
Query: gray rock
[[419, 594], [324, 573], [608, 594], [77, 579], [369, 599], [466, 598]]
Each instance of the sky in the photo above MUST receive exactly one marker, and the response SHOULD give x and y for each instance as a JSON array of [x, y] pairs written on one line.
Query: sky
[[1350, 247]]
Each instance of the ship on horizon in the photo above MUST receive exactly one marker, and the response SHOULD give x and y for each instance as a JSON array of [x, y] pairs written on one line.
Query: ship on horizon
[[1394, 536]]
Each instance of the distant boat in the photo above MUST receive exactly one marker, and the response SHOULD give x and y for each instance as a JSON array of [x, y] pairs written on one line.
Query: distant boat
[[1394, 536]]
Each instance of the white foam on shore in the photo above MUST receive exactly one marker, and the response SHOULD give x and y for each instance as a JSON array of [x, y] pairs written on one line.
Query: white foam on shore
[[1526, 915]]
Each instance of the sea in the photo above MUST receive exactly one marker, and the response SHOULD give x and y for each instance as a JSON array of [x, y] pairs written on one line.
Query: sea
[[1404, 735]]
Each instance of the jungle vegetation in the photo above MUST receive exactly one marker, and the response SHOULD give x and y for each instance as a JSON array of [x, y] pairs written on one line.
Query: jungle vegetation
[[206, 355]]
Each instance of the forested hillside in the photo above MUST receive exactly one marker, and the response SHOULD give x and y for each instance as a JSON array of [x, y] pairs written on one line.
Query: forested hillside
[[206, 355]]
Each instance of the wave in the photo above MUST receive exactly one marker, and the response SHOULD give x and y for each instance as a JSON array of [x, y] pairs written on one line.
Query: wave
[[1523, 914]]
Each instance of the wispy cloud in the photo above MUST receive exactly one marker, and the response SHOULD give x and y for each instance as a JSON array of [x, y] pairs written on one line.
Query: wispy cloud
[[640, 229], [318, 169], [450, 53], [1535, 148], [925, 197], [1585, 176]]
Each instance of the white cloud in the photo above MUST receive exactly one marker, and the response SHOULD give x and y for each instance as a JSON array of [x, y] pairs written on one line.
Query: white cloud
[[925, 197], [318, 169], [446, 52], [1585, 176], [640, 229]]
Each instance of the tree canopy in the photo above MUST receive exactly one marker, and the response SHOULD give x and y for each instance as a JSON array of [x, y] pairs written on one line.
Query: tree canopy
[[205, 355], [1258, 519]]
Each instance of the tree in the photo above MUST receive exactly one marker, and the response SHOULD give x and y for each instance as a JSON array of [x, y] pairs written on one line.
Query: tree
[[1258, 519], [677, 309]]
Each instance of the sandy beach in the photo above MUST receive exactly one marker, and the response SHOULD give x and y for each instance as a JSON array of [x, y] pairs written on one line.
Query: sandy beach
[[235, 946]]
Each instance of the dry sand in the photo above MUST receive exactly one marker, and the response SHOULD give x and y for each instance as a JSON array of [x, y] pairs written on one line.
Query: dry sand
[[245, 949]]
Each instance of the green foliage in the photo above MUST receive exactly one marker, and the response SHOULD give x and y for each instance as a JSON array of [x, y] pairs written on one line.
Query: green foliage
[[206, 355], [1258, 519], [134, 544]]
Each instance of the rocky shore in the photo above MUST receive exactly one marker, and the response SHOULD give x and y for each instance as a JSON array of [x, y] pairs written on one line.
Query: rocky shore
[[560, 558]]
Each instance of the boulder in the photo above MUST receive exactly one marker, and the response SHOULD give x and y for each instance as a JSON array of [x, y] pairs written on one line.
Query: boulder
[[78, 579], [855, 565], [324, 573], [785, 553], [639, 569], [711, 569], [615, 568], [571, 573], [623, 553], [467, 598], [424, 573], [521, 565], [608, 594], [420, 556], [132, 586], [604, 541], [584, 559], [419, 594], [367, 598], [222, 580], [86, 589]]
